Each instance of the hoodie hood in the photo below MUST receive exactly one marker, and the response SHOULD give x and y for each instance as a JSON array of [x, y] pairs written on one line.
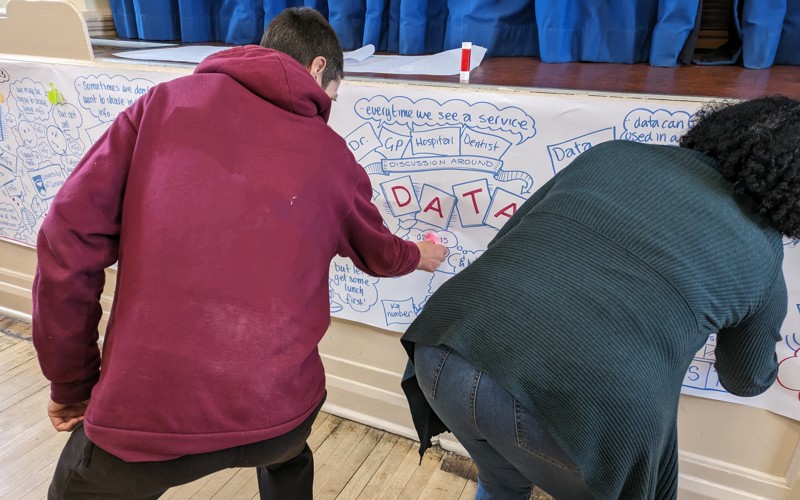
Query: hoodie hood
[[274, 76]]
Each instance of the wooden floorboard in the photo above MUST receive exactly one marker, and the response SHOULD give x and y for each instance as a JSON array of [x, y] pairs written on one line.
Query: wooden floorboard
[[351, 461]]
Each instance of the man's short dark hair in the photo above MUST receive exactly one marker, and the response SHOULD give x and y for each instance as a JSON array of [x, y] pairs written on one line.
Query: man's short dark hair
[[304, 34]]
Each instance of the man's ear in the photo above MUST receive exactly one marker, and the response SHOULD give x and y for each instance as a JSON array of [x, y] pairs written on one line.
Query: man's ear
[[317, 66]]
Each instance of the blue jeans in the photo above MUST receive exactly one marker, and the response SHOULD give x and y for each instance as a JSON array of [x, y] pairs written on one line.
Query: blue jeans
[[512, 449]]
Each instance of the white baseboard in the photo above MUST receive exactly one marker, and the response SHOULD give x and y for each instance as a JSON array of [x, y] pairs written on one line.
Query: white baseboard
[[703, 478], [15, 293]]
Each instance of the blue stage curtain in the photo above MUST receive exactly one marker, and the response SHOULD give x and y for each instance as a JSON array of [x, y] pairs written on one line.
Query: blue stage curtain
[[199, 20], [347, 18], [422, 26], [789, 46], [675, 22], [504, 27], [614, 31], [157, 19], [240, 22], [762, 22], [124, 18], [376, 24], [393, 30]]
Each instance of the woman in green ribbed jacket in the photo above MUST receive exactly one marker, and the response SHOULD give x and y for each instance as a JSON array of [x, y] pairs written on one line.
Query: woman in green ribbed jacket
[[557, 357]]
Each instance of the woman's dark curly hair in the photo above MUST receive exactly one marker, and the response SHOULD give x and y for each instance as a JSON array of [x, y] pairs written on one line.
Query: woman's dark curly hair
[[756, 145]]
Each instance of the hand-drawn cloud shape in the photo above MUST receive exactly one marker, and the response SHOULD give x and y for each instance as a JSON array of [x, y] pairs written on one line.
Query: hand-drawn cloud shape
[[40, 129], [75, 147], [4, 76], [9, 217], [106, 96], [655, 126], [44, 150], [69, 119], [461, 260], [30, 98], [353, 287], [446, 238], [430, 113]]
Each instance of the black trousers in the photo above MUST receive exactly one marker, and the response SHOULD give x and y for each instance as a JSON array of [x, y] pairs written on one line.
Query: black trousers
[[285, 469]]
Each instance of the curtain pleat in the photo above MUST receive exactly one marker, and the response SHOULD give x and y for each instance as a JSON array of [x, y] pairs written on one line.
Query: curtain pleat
[[505, 28], [762, 22], [789, 46], [124, 17], [676, 21]]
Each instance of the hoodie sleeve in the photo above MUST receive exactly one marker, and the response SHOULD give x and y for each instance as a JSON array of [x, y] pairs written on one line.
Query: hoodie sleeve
[[746, 361], [366, 241], [78, 239]]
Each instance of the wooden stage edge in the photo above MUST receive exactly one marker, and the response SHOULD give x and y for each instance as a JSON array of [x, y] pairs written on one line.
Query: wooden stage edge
[[727, 82]]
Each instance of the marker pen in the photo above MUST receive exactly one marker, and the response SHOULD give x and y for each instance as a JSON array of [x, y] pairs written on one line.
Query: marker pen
[[466, 54]]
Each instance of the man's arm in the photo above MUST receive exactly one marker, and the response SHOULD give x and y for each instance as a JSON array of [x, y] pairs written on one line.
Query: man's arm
[[374, 249], [78, 240]]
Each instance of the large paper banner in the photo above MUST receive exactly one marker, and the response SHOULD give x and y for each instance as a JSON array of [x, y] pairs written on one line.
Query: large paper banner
[[459, 163], [455, 162]]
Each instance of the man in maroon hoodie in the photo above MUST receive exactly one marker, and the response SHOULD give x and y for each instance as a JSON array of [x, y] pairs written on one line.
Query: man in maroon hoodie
[[223, 195]]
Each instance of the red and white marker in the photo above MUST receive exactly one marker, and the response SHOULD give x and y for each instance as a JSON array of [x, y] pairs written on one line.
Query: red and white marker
[[466, 54]]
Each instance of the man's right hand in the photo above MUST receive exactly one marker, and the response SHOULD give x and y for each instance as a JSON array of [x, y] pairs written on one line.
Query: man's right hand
[[431, 255], [66, 417]]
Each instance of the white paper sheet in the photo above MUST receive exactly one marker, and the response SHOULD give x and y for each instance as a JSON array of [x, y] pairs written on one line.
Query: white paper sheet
[[128, 44], [187, 53], [196, 53], [359, 55], [442, 64]]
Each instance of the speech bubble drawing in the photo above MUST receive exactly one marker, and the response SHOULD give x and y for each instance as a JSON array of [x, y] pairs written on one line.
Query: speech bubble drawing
[[30, 158], [30, 99], [446, 238], [658, 126], [75, 147], [352, 286], [44, 150], [69, 162], [426, 112], [10, 119], [461, 259], [106, 96], [69, 119], [4, 76], [9, 217], [40, 129]]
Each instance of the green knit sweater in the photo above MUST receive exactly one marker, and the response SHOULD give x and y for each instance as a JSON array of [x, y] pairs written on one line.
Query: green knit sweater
[[590, 303]]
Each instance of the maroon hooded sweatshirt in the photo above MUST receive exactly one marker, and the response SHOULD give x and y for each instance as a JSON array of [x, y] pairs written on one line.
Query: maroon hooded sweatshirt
[[223, 195]]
